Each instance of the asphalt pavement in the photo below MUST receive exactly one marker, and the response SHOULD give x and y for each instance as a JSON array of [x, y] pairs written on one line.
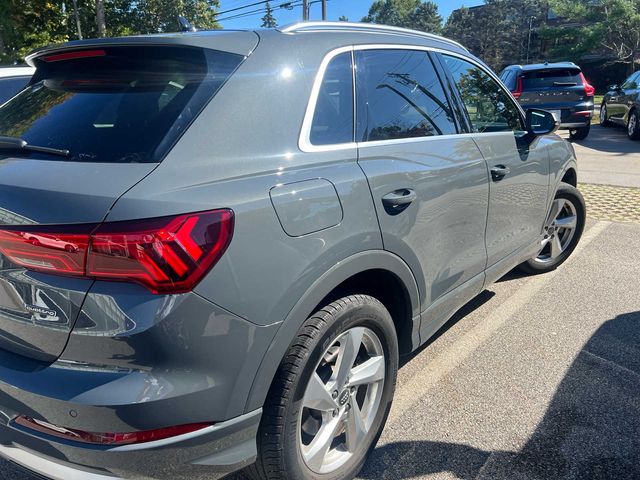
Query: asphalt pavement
[[607, 156]]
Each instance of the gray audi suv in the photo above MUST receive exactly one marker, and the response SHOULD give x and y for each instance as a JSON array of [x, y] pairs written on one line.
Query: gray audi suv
[[215, 246]]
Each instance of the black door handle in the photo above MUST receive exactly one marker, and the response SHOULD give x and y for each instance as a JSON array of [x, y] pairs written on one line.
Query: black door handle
[[396, 201], [499, 172]]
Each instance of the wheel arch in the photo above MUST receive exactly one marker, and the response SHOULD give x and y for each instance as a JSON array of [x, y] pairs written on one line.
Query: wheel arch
[[374, 272], [570, 176]]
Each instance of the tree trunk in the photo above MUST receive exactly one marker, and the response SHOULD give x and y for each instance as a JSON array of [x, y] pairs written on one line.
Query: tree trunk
[[76, 15], [100, 21], [2, 48]]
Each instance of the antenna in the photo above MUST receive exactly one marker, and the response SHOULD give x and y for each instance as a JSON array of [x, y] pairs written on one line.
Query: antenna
[[185, 25]]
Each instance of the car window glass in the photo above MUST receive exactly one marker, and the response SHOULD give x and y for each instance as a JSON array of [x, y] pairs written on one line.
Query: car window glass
[[399, 95], [10, 86], [333, 117], [551, 77], [489, 107], [632, 81]]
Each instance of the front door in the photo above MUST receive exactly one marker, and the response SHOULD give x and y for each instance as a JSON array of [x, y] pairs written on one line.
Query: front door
[[429, 184], [519, 170]]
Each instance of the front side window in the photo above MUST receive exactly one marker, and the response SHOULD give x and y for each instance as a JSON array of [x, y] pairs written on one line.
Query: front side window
[[399, 95], [489, 107], [333, 117], [631, 82]]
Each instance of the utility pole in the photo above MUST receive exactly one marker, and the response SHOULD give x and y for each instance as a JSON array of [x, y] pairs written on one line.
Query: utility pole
[[324, 10], [305, 10], [76, 14]]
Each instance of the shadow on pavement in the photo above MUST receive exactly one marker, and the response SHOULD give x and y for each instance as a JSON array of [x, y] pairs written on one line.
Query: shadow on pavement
[[591, 429], [612, 140]]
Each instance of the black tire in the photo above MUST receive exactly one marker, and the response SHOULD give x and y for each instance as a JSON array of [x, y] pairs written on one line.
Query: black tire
[[633, 125], [571, 193], [279, 453], [604, 121], [579, 133]]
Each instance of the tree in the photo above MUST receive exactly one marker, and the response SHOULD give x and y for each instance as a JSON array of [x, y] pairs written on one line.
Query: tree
[[157, 16], [610, 25], [343, 18], [268, 21], [416, 14], [100, 20]]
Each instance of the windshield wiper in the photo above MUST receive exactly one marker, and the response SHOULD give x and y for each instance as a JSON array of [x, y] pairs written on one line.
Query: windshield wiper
[[14, 143]]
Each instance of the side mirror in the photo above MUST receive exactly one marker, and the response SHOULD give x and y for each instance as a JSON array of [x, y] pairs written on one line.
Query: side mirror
[[613, 87], [541, 122]]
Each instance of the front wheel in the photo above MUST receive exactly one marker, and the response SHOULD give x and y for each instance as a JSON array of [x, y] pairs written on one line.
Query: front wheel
[[562, 231], [579, 133], [633, 126], [331, 395], [604, 121]]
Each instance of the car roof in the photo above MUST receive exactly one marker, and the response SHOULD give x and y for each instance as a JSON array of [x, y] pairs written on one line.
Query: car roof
[[243, 42], [16, 71], [545, 66]]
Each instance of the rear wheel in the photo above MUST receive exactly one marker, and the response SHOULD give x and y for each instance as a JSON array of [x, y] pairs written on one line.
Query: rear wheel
[[604, 121], [331, 395], [633, 125], [562, 231], [579, 133]]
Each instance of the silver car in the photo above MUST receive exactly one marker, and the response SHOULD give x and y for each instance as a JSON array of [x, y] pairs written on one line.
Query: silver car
[[214, 246]]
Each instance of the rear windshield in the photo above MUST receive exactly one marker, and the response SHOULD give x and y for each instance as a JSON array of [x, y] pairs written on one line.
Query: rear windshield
[[565, 77], [115, 104]]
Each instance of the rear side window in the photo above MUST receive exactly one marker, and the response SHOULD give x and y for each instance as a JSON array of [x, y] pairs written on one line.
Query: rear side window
[[333, 117], [399, 95], [117, 104], [10, 86], [488, 106], [565, 77]]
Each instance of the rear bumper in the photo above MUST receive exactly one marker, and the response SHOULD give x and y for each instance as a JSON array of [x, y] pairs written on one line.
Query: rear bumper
[[211, 453]]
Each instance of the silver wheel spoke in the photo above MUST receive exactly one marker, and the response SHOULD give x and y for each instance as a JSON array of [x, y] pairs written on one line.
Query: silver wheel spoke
[[319, 447], [349, 346], [567, 222], [556, 246], [318, 396], [368, 372], [355, 429]]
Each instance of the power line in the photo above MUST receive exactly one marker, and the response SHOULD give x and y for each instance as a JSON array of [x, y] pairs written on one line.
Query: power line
[[283, 6]]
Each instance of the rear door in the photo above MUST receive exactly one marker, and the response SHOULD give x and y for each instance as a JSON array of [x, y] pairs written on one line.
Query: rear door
[[519, 170], [115, 111], [429, 184]]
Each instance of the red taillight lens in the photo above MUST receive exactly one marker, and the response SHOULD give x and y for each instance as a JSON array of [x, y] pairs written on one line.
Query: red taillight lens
[[166, 255], [589, 90], [517, 93], [108, 438], [58, 57]]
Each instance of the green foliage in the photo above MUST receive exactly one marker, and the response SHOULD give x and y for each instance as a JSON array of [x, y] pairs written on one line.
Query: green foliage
[[29, 24], [610, 25], [268, 21], [416, 14], [343, 18]]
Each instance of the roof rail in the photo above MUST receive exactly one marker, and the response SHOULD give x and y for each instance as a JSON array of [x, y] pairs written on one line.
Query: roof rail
[[362, 27]]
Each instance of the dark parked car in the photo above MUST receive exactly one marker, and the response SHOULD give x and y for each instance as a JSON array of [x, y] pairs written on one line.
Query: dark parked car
[[214, 246], [12, 80], [621, 106], [559, 88]]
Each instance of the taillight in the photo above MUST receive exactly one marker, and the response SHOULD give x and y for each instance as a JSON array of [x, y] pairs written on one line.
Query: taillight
[[589, 90], [517, 93], [166, 255], [58, 57], [108, 438]]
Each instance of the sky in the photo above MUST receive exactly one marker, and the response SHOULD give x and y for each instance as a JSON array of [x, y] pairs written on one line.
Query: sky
[[353, 9]]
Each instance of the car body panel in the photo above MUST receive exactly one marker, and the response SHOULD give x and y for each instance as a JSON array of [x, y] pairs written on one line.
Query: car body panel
[[622, 100]]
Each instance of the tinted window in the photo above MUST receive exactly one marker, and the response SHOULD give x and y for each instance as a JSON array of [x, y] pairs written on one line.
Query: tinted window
[[631, 82], [565, 77], [333, 117], [10, 86], [399, 95], [120, 104], [489, 107]]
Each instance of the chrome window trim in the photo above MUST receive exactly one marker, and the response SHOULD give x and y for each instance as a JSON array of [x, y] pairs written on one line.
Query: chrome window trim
[[304, 142]]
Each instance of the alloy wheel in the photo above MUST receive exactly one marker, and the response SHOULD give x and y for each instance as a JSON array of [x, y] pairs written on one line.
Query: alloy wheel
[[603, 114], [341, 400], [633, 124], [558, 230]]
